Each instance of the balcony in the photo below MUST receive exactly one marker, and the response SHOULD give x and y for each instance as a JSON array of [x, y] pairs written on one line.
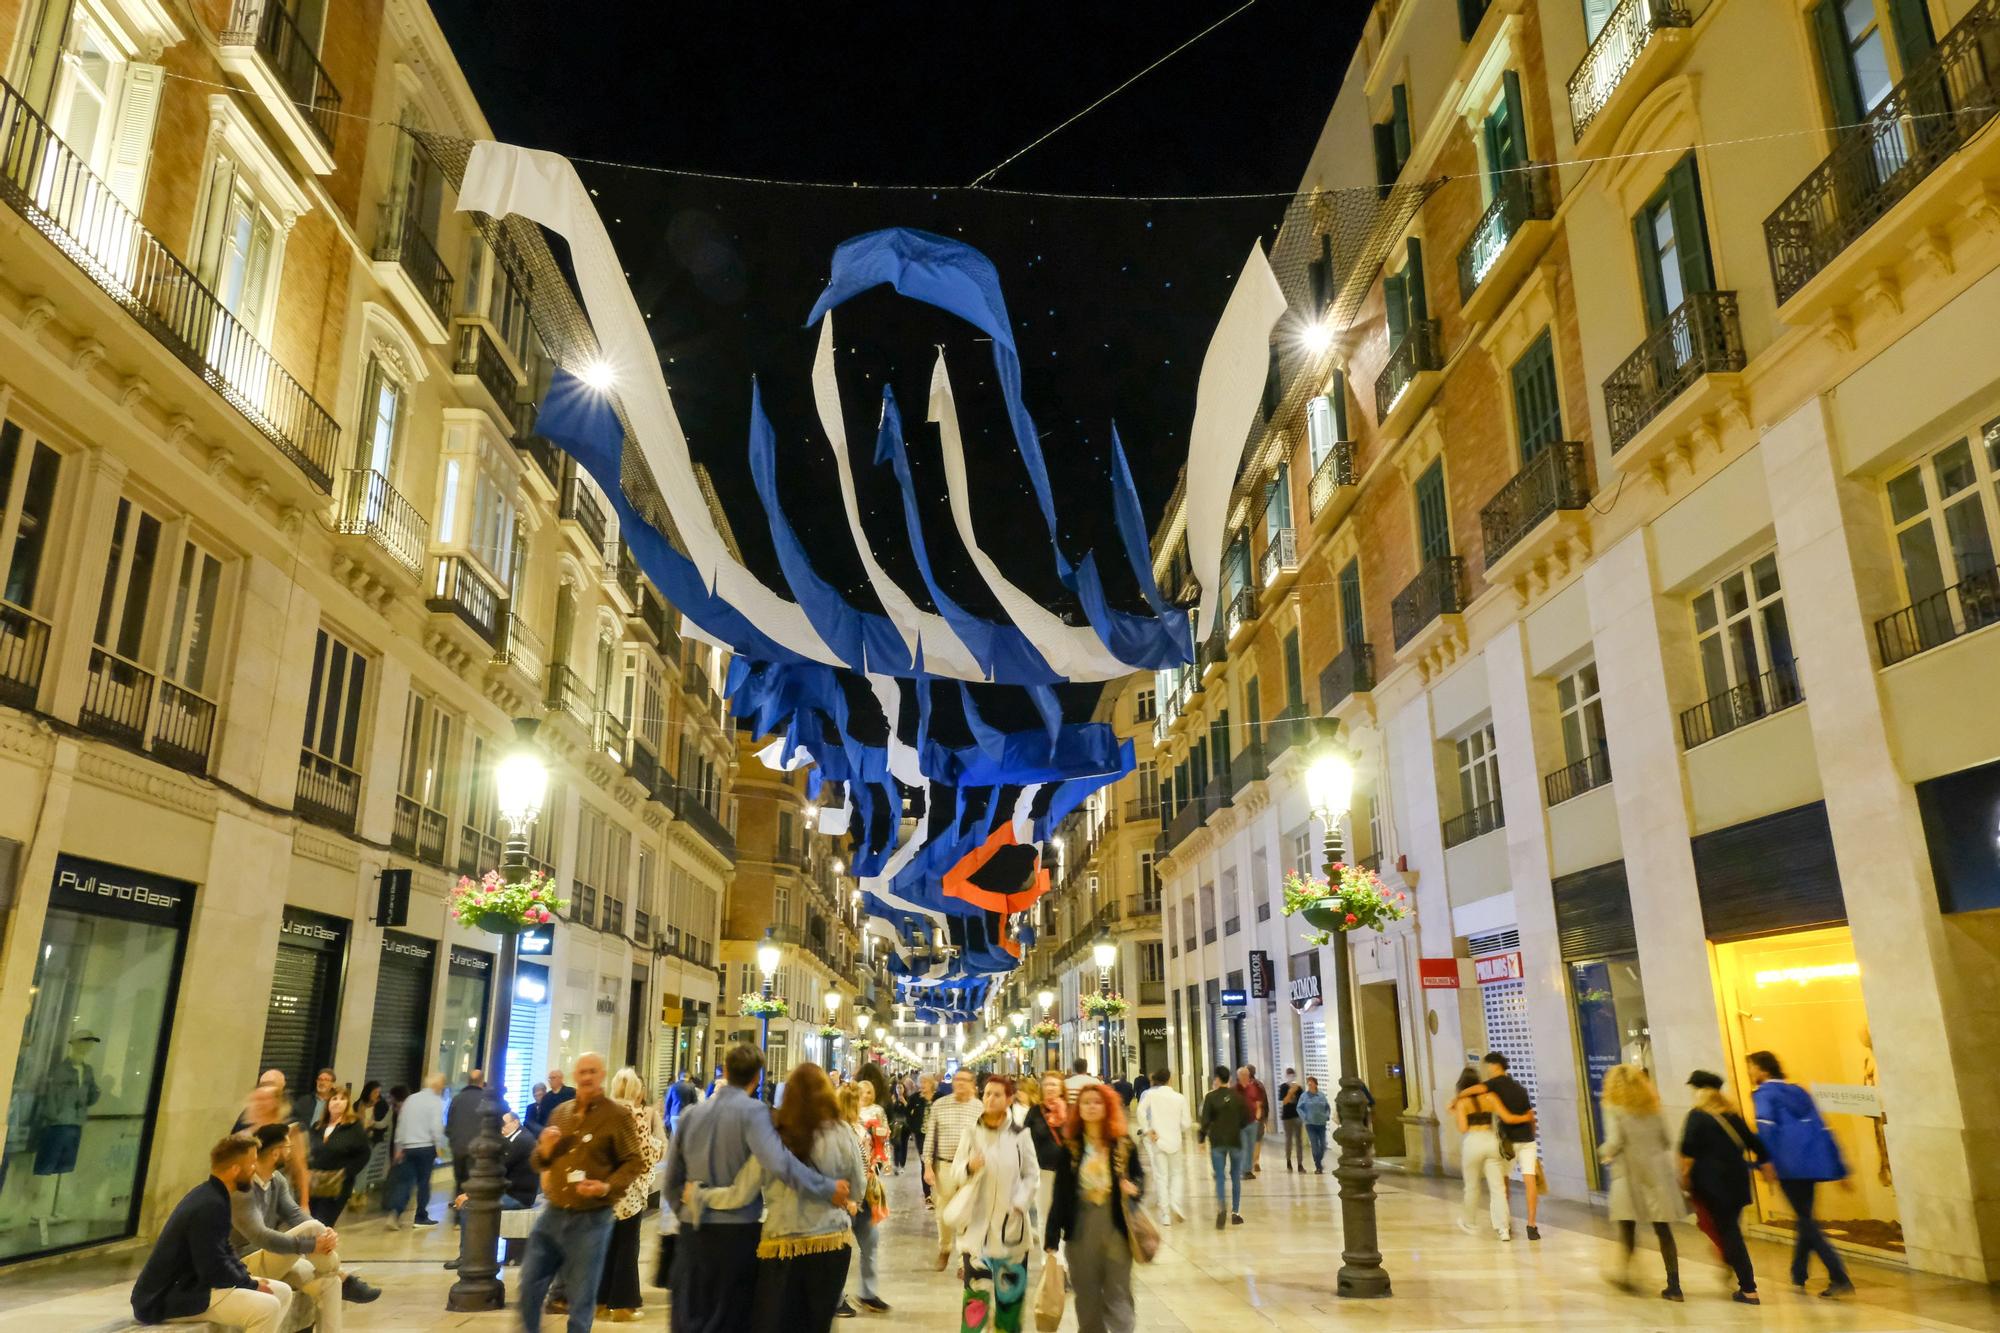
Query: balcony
[[1773, 692], [1292, 726], [1517, 522], [1699, 339], [1572, 780], [1349, 674], [1971, 604], [24, 649], [1239, 615], [459, 589], [695, 681], [1185, 821], [183, 728], [116, 696], [1334, 477], [1628, 60], [418, 831], [478, 851], [1281, 559], [329, 792], [1942, 103], [479, 366], [519, 649], [546, 458], [1218, 796], [612, 736], [1506, 241], [406, 262], [625, 570], [56, 194], [1437, 591], [643, 766], [567, 697], [688, 808], [1474, 823], [1247, 766], [1409, 378], [649, 619], [264, 47], [1142, 810], [370, 507], [580, 507]]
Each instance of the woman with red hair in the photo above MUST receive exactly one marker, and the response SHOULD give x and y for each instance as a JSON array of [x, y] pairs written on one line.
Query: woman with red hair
[[1097, 1180]]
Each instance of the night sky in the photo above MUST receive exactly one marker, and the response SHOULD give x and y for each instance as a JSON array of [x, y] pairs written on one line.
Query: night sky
[[1113, 302]]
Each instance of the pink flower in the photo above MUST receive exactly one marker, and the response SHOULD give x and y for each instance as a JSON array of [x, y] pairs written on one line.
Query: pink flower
[[1351, 918]]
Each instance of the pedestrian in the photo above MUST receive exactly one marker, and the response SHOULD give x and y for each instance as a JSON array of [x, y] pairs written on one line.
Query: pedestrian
[[418, 1137], [277, 1240], [949, 1117], [1079, 1078], [463, 1118], [1804, 1153], [1045, 1122], [1479, 1156], [995, 1175], [802, 1253], [1123, 1087], [855, 1102], [1314, 1113], [618, 1295], [533, 1123], [1259, 1103], [557, 1094], [1718, 1151], [1224, 1124], [192, 1272], [1097, 1180], [589, 1153], [337, 1154], [1514, 1118], [683, 1096], [312, 1106], [899, 1122], [920, 1113], [1163, 1126], [1638, 1149], [715, 1265], [1289, 1092]]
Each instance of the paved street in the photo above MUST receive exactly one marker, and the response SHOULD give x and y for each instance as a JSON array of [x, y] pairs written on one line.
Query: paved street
[[1274, 1271]]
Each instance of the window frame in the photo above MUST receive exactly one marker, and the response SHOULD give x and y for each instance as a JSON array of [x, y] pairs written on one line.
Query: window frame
[[1579, 698], [1756, 615], [1478, 763], [1982, 443]]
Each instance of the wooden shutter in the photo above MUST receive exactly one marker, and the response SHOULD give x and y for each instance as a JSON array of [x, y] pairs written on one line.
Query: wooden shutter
[[1537, 406], [1274, 383], [1396, 307], [1399, 122], [1352, 631], [1517, 119], [1648, 255], [1337, 391], [1253, 711], [132, 141], [1690, 227], [1830, 35], [1596, 13], [1295, 685], [1413, 283], [1385, 159], [215, 222], [1911, 20], [1278, 502], [1433, 521]]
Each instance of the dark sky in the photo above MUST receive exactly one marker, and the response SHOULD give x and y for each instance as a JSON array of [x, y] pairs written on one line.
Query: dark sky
[[1112, 302]]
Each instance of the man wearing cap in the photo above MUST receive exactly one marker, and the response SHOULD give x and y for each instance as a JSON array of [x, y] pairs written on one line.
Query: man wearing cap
[[67, 1095]]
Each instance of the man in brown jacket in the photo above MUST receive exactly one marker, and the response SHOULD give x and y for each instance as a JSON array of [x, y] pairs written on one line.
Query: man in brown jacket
[[588, 1154]]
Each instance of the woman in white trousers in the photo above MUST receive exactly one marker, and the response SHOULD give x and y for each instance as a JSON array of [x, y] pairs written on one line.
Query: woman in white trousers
[[1479, 1158]]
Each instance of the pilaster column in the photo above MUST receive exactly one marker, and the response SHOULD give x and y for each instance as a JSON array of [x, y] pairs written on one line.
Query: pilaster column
[[73, 616], [383, 750], [264, 696]]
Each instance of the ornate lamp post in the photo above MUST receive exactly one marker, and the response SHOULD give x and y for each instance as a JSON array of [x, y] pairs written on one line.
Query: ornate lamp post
[[768, 957], [1330, 789], [1104, 953], [521, 786], [1046, 999], [832, 1020], [862, 1023]]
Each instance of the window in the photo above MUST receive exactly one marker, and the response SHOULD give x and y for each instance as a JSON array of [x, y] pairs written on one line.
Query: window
[[1672, 240], [1945, 511], [128, 581], [1253, 712], [1581, 713], [1353, 633], [1433, 516], [1859, 61], [1305, 856], [238, 249], [1149, 785], [427, 747], [1392, 140], [333, 701], [381, 424], [1537, 405], [1149, 883], [1504, 135], [1597, 13], [1478, 770], [1326, 419], [1278, 504], [1404, 302], [28, 469], [1740, 629], [1208, 914], [1232, 909], [1144, 706], [101, 105], [1152, 963], [192, 629], [1295, 685], [1236, 567]]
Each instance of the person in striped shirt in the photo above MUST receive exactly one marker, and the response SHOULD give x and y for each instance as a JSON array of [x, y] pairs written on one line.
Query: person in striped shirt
[[946, 1124]]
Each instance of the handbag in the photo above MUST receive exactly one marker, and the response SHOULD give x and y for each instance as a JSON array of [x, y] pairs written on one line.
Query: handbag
[[327, 1183], [1051, 1295], [1140, 1232]]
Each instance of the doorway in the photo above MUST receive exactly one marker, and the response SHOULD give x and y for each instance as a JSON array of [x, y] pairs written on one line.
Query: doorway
[[1379, 1024]]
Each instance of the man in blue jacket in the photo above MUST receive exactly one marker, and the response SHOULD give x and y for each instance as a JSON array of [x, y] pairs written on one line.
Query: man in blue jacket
[[193, 1273], [1803, 1153]]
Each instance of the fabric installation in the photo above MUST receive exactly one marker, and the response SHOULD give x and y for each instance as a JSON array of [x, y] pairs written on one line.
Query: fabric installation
[[938, 734]]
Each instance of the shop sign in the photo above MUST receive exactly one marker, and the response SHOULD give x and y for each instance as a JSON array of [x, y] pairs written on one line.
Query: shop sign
[[1847, 1098], [1263, 977], [1438, 973], [1234, 1000], [1498, 967], [1152, 1032], [1305, 988], [539, 941], [409, 946], [471, 962], [83, 885], [311, 930]]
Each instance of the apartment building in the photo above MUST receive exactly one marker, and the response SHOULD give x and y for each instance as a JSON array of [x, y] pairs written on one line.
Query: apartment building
[[284, 561], [1637, 527]]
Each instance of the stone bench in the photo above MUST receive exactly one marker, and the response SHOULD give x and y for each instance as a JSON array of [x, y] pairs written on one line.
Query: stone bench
[[301, 1316]]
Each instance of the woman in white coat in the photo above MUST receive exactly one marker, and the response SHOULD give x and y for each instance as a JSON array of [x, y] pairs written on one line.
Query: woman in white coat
[[1645, 1185], [988, 1214]]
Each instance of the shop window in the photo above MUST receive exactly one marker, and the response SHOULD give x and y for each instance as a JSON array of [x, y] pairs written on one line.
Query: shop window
[[1944, 511], [1478, 770], [1581, 713], [1741, 633]]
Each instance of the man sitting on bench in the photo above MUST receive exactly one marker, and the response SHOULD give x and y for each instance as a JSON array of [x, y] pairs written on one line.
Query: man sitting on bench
[[278, 1239], [192, 1274]]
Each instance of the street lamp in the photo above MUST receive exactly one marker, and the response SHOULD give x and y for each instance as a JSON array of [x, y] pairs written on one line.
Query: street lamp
[[521, 788], [832, 1018], [1330, 790], [768, 956], [1104, 953], [1046, 998]]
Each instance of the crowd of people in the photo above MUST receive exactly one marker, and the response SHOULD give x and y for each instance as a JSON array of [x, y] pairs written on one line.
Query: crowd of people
[[772, 1201]]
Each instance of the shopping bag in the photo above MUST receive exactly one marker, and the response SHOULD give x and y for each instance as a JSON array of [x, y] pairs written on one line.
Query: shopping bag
[[516, 1223], [1050, 1295]]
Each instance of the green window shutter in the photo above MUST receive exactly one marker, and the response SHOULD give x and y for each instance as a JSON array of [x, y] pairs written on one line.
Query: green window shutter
[[1395, 305], [1537, 406], [1399, 121], [1830, 35], [1352, 631], [1649, 265], [1433, 520], [1337, 391], [1295, 687], [1253, 711], [1517, 120], [1493, 133], [1911, 20], [1690, 227], [1385, 158], [1413, 283]]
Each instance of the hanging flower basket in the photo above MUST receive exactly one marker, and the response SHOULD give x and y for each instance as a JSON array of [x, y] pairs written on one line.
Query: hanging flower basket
[[756, 1006], [1105, 1006], [498, 907], [1354, 899], [829, 1031], [1046, 1030]]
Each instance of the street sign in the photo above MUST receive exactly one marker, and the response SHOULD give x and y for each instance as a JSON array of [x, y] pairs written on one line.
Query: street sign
[[1438, 973]]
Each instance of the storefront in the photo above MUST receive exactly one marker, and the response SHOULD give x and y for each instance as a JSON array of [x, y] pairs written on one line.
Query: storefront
[[1308, 1002], [304, 1011], [468, 985], [1600, 955], [1789, 983], [80, 1121], [1153, 1047], [397, 1043], [1503, 1003], [527, 1031]]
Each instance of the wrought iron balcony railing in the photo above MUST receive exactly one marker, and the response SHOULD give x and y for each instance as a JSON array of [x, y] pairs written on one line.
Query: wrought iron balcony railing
[[580, 506], [1334, 471], [417, 830], [400, 239], [1586, 774], [1943, 100], [1352, 671], [1476, 822], [567, 695], [329, 792], [478, 850], [544, 455], [459, 589], [1142, 810], [1241, 611], [1247, 766], [1772, 692], [1970, 604], [687, 805], [1619, 44], [183, 728], [1437, 590], [1420, 350], [24, 648], [479, 356], [270, 27], [1554, 478], [116, 695], [1281, 556], [1522, 195], [370, 507], [612, 736], [1701, 337], [53, 189], [518, 646]]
